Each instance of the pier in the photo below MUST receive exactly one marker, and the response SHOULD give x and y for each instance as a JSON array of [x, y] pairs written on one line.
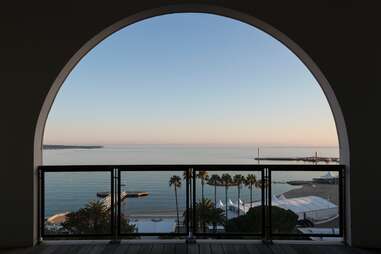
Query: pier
[[129, 194], [123, 195], [313, 159]]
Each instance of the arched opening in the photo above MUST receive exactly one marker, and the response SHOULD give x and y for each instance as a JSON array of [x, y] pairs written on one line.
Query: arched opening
[[339, 120]]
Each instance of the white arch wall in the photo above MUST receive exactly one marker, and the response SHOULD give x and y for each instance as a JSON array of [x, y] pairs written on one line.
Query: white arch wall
[[298, 51]]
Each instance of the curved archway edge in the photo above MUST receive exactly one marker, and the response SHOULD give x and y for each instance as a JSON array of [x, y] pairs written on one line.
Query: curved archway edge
[[211, 9]]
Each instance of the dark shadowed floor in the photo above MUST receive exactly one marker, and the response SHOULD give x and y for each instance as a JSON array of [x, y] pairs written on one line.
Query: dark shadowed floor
[[199, 248]]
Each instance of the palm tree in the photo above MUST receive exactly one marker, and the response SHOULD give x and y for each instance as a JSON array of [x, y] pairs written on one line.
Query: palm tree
[[226, 180], [188, 175], [214, 180], [203, 209], [251, 181], [206, 214], [239, 180], [175, 181], [94, 218], [216, 217], [203, 176]]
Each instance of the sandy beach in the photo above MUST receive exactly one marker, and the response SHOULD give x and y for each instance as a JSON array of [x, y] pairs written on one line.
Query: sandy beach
[[327, 191]]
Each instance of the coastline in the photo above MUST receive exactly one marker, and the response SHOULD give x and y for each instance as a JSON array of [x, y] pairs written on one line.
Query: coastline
[[60, 147]]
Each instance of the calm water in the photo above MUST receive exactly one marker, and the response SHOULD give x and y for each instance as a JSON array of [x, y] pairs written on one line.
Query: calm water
[[70, 191]]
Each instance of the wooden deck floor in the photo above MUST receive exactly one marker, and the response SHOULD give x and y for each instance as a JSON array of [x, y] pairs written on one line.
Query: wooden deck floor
[[199, 248]]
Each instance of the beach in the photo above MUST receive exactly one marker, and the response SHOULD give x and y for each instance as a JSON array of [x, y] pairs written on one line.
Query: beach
[[326, 191]]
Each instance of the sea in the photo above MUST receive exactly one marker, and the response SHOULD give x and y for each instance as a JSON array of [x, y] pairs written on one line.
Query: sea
[[69, 191]]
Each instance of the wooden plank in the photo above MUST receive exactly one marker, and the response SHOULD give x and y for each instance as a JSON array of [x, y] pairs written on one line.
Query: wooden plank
[[86, 248], [145, 248], [75, 248], [301, 249], [204, 248], [133, 248], [216, 248], [240, 248], [252, 248], [181, 248], [110, 248], [44, 249], [264, 249], [157, 249], [65, 249], [276, 249], [169, 248], [98, 248], [228, 248], [193, 249], [288, 249], [315, 249], [122, 249], [341, 250]]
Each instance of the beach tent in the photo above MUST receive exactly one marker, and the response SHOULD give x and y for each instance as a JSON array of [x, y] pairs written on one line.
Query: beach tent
[[220, 204], [314, 208]]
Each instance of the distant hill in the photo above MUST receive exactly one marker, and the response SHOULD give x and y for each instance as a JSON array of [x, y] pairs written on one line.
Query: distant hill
[[55, 147]]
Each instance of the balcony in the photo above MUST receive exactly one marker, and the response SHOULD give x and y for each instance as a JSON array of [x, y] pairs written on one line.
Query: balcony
[[190, 203]]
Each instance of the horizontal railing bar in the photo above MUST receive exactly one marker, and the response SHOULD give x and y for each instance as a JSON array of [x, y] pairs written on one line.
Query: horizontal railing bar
[[307, 235], [198, 167], [74, 168], [227, 234], [152, 234], [75, 235], [304, 167]]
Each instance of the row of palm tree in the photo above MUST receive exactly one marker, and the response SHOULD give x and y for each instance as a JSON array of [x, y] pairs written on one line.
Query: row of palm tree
[[215, 180]]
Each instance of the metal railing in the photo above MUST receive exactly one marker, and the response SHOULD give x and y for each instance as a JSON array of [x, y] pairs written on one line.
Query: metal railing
[[114, 177], [338, 169]]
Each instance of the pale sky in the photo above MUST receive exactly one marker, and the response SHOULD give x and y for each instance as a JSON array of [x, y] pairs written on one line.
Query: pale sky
[[191, 79]]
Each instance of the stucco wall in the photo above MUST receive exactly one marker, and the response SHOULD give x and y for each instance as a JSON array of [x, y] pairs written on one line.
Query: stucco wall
[[38, 40]]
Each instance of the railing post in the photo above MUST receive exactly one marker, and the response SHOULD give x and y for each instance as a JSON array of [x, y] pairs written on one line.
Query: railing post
[[41, 219], [266, 187], [191, 197], [115, 205]]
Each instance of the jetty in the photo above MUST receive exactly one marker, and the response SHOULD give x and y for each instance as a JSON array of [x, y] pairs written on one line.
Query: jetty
[[128, 194], [313, 159], [123, 195], [59, 147], [107, 200]]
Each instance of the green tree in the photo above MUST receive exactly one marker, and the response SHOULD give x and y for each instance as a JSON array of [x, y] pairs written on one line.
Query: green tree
[[282, 221], [206, 214], [203, 176], [94, 218], [239, 180], [175, 181], [251, 181], [188, 176], [226, 180], [214, 180]]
